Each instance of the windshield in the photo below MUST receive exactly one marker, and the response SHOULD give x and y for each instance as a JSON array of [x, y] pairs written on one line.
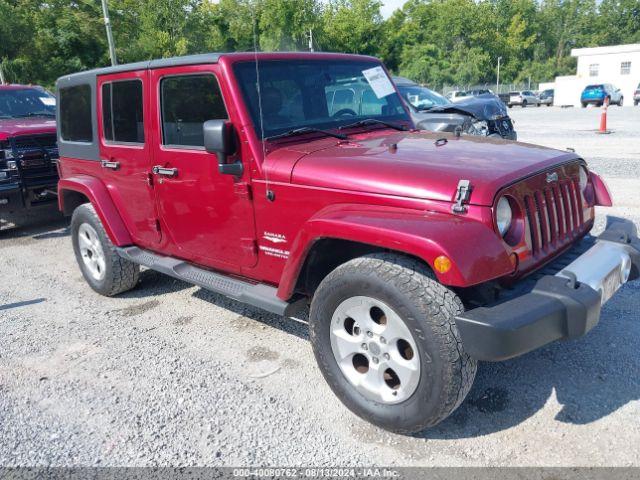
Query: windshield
[[321, 94], [422, 98], [26, 102]]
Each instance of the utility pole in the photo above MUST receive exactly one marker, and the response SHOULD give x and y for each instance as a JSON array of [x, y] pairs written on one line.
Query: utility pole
[[107, 24], [310, 40], [498, 77]]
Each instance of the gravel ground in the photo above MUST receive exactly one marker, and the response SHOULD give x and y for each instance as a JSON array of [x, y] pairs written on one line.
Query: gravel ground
[[170, 374]]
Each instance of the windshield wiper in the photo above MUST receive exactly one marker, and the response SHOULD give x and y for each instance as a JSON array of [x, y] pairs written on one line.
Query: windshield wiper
[[302, 130], [373, 121], [36, 114]]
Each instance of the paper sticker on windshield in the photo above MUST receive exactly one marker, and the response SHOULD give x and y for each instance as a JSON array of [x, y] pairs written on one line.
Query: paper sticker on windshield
[[48, 101], [379, 81]]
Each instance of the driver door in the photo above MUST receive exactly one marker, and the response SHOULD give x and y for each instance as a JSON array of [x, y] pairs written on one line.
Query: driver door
[[207, 216]]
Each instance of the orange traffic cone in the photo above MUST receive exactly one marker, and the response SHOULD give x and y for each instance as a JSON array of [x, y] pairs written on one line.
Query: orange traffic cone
[[603, 117]]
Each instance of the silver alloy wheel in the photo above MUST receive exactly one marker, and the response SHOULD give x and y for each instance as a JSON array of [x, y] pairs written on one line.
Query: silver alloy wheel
[[91, 251], [375, 350]]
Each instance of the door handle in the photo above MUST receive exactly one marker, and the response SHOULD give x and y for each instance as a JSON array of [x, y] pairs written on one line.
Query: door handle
[[110, 164], [167, 172]]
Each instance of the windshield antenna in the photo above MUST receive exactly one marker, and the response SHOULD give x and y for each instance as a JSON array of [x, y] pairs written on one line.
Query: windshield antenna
[[269, 193]]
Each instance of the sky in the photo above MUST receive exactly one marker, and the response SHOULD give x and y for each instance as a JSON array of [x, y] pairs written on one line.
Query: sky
[[389, 6]]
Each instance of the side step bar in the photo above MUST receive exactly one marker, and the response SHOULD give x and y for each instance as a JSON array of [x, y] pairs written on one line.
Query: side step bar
[[258, 295]]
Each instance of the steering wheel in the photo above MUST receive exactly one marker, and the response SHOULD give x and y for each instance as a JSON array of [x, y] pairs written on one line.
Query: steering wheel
[[344, 112]]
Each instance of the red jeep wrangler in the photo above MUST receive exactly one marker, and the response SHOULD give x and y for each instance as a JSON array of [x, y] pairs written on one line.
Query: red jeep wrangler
[[28, 150], [279, 178]]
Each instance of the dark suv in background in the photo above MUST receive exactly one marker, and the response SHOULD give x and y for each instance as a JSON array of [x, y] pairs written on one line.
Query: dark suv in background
[[28, 150], [483, 115]]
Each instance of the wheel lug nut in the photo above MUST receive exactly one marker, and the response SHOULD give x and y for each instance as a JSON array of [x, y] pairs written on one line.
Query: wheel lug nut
[[369, 334], [375, 360], [383, 340], [364, 346], [386, 356]]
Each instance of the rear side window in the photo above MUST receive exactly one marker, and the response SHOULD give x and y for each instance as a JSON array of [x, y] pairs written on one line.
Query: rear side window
[[75, 114], [188, 102], [122, 112]]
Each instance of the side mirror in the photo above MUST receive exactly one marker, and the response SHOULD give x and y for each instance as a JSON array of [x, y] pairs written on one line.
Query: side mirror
[[219, 138]]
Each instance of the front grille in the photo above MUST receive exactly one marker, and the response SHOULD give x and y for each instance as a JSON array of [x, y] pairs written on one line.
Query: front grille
[[45, 141], [503, 126], [35, 157], [554, 215]]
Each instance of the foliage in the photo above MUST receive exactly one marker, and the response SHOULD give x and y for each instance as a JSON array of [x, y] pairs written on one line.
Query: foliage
[[432, 41]]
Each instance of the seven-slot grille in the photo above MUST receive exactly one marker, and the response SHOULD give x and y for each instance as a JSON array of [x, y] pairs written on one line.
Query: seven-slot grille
[[554, 214]]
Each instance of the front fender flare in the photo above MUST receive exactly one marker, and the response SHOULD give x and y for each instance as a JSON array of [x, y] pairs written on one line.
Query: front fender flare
[[98, 194], [476, 252]]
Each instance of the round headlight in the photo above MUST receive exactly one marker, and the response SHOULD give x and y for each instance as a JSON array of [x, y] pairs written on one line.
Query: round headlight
[[504, 215], [584, 178]]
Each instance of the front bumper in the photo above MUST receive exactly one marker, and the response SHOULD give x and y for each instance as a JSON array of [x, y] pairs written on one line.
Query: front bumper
[[14, 198], [561, 306]]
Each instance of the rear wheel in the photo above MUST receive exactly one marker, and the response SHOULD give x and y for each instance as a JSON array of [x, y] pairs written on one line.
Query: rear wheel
[[524, 104], [384, 335], [584, 105], [621, 101], [103, 269]]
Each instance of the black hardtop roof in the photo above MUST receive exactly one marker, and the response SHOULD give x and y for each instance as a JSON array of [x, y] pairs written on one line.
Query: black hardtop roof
[[198, 59], [144, 65]]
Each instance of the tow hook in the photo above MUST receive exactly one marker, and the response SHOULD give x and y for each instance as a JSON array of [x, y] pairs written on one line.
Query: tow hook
[[463, 192]]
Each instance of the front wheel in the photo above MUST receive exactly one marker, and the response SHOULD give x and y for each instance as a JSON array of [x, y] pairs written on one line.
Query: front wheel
[[384, 334], [524, 104], [103, 269], [621, 101]]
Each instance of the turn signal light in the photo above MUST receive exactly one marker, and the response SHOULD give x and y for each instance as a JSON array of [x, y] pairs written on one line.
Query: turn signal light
[[442, 264]]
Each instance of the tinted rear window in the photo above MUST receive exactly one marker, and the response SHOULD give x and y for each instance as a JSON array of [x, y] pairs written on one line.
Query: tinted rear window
[[75, 114], [122, 112], [594, 87]]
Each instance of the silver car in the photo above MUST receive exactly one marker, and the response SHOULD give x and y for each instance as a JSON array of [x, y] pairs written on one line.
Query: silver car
[[523, 98]]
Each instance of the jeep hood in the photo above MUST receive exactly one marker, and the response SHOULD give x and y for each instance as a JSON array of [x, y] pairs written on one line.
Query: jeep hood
[[10, 127], [410, 164]]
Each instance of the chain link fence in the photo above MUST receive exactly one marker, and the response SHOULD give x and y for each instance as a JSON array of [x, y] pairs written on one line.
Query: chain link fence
[[502, 88]]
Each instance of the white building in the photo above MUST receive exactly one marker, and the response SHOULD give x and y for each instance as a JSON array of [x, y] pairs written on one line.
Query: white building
[[618, 65]]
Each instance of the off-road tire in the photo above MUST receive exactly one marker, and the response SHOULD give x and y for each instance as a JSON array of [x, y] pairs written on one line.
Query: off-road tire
[[120, 274], [428, 310]]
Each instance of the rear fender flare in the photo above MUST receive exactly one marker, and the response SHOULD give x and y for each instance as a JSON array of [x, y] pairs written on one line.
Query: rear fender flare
[[476, 252], [98, 194]]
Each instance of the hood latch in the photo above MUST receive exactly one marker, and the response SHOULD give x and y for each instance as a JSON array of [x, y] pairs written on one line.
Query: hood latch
[[463, 192]]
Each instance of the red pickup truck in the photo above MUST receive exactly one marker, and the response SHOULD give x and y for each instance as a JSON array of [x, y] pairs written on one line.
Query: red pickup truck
[[279, 179], [28, 150]]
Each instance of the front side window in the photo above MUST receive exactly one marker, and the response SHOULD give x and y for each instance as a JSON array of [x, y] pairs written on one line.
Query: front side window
[[122, 111], [625, 68], [594, 69], [75, 114], [188, 102], [422, 98], [322, 94]]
